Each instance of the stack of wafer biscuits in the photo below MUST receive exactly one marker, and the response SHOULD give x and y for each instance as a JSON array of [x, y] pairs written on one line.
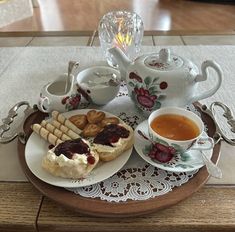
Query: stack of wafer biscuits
[[58, 130]]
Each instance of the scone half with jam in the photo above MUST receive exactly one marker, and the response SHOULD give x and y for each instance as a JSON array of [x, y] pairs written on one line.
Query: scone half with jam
[[113, 141], [71, 159]]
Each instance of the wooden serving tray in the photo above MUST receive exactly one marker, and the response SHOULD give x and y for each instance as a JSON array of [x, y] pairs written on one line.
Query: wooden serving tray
[[97, 207]]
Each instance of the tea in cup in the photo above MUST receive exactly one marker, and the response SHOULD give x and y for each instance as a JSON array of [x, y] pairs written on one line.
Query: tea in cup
[[179, 130]]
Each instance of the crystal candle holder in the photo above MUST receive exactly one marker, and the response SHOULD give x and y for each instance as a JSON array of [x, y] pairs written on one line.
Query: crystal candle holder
[[122, 29]]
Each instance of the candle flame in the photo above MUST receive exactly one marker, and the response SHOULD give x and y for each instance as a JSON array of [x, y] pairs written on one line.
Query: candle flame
[[122, 40]]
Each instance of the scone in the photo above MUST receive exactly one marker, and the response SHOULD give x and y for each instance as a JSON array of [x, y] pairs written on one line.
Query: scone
[[113, 140], [71, 159]]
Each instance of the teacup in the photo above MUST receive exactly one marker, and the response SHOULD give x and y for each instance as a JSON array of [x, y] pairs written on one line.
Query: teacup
[[188, 135], [53, 96]]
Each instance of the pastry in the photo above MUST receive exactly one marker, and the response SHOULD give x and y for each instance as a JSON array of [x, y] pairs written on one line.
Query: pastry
[[113, 140], [110, 120], [58, 133], [63, 120], [94, 116], [79, 120], [91, 130], [65, 129], [71, 159], [45, 134]]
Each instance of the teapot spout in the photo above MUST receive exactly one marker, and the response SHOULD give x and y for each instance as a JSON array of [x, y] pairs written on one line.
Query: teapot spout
[[122, 60]]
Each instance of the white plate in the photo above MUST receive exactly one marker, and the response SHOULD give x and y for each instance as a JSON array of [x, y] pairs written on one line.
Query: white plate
[[37, 147], [190, 161]]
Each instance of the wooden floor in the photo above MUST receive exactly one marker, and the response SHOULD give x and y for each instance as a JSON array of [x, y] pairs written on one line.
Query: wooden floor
[[80, 17]]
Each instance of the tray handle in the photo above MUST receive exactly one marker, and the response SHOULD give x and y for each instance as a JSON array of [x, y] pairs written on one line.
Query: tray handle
[[12, 113], [219, 134]]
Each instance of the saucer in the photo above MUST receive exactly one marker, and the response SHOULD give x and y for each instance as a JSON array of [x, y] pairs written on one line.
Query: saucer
[[189, 161]]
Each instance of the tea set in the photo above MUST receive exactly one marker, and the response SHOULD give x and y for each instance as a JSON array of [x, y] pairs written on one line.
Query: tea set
[[96, 84], [155, 82]]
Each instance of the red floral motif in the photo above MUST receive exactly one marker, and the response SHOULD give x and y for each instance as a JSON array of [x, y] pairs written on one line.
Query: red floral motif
[[147, 92], [163, 85], [83, 92], [161, 153], [134, 76], [74, 102], [64, 100], [144, 98], [71, 102], [157, 64]]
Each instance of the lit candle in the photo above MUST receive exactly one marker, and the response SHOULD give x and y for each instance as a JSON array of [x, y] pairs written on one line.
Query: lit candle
[[122, 40]]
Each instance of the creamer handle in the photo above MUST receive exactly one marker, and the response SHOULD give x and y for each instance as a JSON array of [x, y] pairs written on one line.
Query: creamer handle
[[41, 106]]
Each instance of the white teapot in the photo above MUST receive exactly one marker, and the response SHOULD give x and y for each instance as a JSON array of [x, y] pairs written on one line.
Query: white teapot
[[164, 79]]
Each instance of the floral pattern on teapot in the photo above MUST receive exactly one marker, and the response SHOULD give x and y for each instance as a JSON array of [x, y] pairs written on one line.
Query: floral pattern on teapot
[[147, 94], [153, 62]]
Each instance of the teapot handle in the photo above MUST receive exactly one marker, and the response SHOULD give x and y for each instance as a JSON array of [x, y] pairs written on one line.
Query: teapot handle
[[202, 77]]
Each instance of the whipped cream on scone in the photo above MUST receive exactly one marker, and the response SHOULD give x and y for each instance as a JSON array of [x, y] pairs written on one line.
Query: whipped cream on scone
[[71, 159]]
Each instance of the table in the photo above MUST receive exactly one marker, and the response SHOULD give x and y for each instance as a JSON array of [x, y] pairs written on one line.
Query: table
[[23, 208]]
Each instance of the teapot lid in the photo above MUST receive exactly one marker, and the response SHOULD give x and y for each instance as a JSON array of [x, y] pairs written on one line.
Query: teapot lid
[[164, 60]]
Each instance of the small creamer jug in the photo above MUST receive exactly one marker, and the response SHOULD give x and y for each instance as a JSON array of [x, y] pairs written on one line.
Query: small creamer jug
[[53, 96]]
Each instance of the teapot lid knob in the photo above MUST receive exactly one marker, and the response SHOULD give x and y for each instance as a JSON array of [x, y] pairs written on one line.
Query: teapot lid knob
[[165, 55]]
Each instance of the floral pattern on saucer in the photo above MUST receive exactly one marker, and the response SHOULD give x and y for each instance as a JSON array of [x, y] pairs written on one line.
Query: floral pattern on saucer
[[174, 162], [184, 162]]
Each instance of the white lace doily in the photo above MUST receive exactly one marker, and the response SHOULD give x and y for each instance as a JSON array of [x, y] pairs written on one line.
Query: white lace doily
[[137, 180]]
